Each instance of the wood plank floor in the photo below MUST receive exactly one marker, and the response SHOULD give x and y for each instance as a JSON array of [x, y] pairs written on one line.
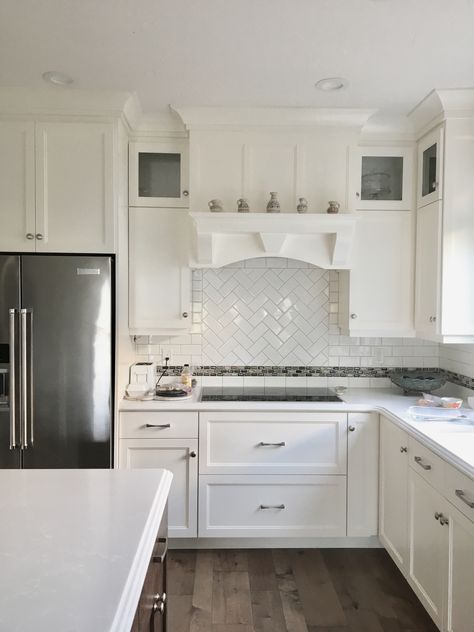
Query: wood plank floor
[[280, 590]]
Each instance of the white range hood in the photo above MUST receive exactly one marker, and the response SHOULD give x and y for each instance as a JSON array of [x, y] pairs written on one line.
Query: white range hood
[[321, 239]]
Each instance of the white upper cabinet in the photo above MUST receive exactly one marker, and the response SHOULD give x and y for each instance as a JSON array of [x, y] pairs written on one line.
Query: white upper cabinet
[[159, 275], [17, 186], [445, 234], [57, 183], [430, 167], [428, 269], [74, 187], [381, 178], [159, 174], [376, 295]]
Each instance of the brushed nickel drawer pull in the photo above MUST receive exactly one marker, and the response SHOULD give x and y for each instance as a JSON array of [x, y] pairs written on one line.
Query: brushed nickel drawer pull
[[460, 494], [160, 550], [157, 425], [272, 506], [443, 520], [419, 460], [280, 444]]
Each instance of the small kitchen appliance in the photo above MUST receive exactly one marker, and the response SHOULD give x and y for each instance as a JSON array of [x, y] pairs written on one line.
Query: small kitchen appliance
[[144, 375]]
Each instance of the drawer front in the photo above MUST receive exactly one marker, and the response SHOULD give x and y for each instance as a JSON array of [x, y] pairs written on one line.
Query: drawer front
[[426, 463], [272, 506], [273, 443], [459, 490], [158, 425]]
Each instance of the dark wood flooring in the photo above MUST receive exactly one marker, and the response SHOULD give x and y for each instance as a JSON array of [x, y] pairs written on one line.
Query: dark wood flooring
[[290, 590]]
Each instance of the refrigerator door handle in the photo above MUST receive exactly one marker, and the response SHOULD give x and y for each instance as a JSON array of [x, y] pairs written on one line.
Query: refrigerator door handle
[[12, 389], [30, 365], [26, 386]]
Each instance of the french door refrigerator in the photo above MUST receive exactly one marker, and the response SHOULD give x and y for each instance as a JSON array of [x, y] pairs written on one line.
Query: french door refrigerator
[[56, 361]]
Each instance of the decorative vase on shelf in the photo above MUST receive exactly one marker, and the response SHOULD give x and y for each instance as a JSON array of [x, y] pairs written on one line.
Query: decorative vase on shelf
[[216, 206], [243, 206], [273, 205], [302, 206], [333, 207]]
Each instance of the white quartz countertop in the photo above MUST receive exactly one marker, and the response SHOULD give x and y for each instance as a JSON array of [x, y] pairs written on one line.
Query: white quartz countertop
[[75, 546], [453, 441]]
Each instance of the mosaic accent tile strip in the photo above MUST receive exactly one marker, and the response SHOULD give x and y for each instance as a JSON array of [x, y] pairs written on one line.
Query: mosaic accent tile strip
[[295, 371]]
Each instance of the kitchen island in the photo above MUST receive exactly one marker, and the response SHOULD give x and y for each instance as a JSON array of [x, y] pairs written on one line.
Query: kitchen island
[[75, 546]]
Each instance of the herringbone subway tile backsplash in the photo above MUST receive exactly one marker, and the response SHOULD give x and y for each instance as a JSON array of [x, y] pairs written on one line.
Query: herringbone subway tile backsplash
[[276, 312]]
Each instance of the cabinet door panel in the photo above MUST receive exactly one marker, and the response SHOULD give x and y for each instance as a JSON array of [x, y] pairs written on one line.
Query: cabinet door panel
[[362, 474], [428, 269], [393, 525], [430, 167], [273, 443], [428, 546], [460, 610], [17, 186], [74, 187], [173, 455], [272, 506], [159, 276], [380, 284]]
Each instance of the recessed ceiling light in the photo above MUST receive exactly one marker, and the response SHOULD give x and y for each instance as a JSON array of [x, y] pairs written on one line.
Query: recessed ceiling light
[[57, 78], [331, 83]]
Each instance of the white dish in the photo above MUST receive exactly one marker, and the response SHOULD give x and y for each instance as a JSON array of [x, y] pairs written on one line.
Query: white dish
[[431, 413], [162, 398]]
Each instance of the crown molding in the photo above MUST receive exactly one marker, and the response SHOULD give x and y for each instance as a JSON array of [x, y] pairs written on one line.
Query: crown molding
[[206, 118], [439, 105]]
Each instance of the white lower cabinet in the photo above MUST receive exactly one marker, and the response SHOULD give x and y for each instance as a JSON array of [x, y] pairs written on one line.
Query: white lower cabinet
[[428, 553], [263, 506], [272, 443], [430, 538], [460, 605], [393, 517], [362, 474], [139, 447]]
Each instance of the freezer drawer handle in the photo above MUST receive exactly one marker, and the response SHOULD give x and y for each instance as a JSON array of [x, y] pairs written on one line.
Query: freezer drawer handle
[[157, 425], [460, 494], [419, 460], [160, 550], [12, 393]]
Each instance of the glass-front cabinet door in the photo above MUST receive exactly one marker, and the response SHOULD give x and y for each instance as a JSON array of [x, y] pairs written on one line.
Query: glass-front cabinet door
[[430, 158], [158, 174], [381, 178]]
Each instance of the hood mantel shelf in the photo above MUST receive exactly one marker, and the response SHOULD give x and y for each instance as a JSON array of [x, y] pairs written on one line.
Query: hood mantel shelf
[[321, 239]]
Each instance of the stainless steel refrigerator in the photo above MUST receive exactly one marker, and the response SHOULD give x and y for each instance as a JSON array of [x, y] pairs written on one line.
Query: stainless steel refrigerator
[[56, 361]]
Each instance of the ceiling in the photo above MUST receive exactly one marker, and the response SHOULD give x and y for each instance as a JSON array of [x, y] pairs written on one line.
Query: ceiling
[[243, 52]]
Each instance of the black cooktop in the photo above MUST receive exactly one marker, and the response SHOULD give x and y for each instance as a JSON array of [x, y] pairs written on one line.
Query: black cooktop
[[252, 394]]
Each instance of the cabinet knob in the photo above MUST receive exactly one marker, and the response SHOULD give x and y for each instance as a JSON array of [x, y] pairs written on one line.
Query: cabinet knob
[[351, 428], [39, 236], [185, 314], [435, 186], [437, 515], [403, 448], [353, 316], [357, 194], [185, 193], [30, 236], [193, 454]]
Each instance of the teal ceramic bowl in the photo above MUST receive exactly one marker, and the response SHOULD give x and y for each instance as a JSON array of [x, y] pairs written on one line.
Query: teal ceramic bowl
[[415, 382]]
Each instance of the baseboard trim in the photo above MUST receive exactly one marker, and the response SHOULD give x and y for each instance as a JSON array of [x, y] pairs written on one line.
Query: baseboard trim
[[371, 542]]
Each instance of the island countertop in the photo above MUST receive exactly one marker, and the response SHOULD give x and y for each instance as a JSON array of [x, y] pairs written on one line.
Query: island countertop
[[75, 546]]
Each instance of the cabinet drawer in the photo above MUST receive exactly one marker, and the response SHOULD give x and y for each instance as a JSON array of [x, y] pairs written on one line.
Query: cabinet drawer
[[426, 463], [158, 425], [265, 506], [459, 490], [273, 443]]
